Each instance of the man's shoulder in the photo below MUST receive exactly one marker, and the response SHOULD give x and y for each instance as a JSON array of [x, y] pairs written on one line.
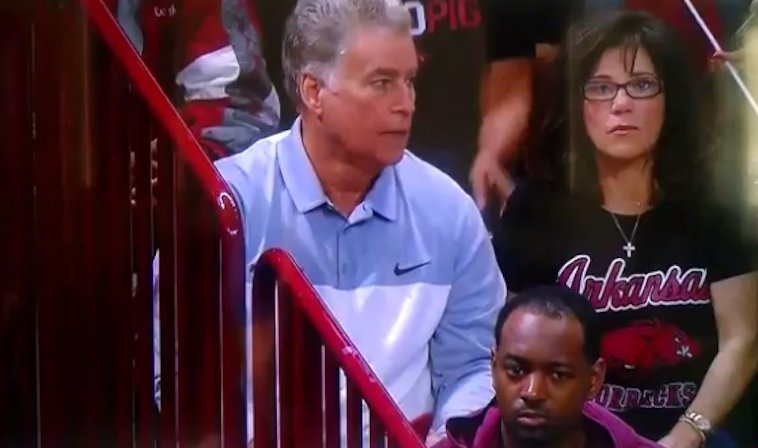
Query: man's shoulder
[[623, 435], [260, 153], [437, 202], [253, 168], [429, 187]]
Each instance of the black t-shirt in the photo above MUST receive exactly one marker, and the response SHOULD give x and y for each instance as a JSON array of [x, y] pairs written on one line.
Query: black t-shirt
[[659, 328], [448, 36], [513, 27]]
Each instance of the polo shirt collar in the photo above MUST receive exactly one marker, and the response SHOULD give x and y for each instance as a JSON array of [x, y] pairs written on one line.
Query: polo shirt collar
[[305, 188]]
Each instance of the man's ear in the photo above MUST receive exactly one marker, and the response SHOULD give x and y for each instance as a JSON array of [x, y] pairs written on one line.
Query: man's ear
[[310, 92], [492, 365], [597, 378]]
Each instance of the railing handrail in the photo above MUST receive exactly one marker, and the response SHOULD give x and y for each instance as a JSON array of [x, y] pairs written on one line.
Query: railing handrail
[[277, 265], [225, 207], [186, 144], [717, 47]]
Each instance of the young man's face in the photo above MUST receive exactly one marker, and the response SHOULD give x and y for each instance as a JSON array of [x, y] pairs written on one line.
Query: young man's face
[[542, 377]]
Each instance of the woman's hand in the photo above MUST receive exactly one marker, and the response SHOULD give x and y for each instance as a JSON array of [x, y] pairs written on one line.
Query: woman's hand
[[488, 176], [434, 438], [720, 58], [681, 436]]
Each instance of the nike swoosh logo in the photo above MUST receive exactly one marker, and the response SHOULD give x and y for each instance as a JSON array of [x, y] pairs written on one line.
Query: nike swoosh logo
[[401, 271]]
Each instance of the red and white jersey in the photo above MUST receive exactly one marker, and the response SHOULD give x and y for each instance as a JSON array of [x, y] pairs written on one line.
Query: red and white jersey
[[229, 99]]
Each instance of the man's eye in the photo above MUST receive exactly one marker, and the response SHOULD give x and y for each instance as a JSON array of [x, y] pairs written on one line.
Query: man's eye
[[561, 375], [514, 370], [381, 83]]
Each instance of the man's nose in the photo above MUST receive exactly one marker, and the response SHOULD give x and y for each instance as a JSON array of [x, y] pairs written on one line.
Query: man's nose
[[406, 103], [535, 388]]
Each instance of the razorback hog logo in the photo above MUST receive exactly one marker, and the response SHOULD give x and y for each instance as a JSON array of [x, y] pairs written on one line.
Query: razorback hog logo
[[643, 347], [617, 292]]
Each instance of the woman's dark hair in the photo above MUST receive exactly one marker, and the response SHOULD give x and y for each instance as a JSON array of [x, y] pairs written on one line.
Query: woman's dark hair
[[560, 151]]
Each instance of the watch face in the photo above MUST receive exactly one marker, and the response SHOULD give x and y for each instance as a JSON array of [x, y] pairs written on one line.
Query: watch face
[[700, 421]]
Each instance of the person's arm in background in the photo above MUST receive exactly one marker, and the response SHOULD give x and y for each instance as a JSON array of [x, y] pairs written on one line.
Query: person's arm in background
[[745, 34], [732, 269], [506, 102], [505, 93], [460, 347], [735, 304]]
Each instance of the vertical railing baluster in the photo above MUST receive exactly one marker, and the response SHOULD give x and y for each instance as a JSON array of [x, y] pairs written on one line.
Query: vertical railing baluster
[[18, 394], [331, 400], [300, 307], [265, 415], [167, 292], [310, 379], [377, 436], [354, 416], [146, 416]]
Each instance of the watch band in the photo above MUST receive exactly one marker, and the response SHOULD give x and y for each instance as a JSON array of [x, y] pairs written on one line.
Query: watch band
[[691, 423], [700, 421]]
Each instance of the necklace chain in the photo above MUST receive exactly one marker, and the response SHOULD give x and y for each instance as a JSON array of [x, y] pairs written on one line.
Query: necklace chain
[[629, 247]]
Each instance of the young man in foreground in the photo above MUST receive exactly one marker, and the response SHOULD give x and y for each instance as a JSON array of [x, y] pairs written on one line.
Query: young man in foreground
[[546, 369]]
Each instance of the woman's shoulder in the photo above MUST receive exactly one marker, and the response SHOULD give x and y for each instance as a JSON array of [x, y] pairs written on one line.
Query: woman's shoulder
[[725, 233], [701, 212]]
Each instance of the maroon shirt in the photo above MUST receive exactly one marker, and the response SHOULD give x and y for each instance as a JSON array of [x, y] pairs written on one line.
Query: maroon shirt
[[482, 430]]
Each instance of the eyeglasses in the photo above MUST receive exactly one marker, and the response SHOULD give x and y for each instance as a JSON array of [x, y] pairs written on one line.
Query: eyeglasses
[[638, 88]]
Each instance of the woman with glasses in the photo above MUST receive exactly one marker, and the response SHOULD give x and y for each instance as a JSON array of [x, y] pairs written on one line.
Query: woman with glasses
[[617, 208]]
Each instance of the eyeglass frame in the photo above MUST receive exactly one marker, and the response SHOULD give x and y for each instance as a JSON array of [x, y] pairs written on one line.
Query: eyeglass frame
[[624, 86]]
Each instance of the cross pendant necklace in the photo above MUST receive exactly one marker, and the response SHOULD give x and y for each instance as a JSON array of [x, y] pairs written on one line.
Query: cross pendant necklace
[[629, 247]]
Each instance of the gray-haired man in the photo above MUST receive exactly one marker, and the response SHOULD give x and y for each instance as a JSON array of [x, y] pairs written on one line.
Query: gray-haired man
[[397, 251]]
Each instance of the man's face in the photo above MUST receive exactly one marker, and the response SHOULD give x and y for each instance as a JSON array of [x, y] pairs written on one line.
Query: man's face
[[542, 377], [367, 104]]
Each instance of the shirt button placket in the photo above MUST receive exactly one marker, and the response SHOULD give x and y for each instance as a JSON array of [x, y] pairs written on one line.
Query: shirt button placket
[[343, 271]]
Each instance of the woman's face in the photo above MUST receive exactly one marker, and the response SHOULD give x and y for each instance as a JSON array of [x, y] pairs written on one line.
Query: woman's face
[[624, 105]]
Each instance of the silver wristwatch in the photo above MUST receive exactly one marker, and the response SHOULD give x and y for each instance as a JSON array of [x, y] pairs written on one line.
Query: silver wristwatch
[[700, 422]]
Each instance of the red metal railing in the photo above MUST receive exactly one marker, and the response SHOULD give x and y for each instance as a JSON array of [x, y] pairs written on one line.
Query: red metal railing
[[65, 211], [17, 314], [76, 279], [76, 305], [232, 407], [303, 404], [311, 349]]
